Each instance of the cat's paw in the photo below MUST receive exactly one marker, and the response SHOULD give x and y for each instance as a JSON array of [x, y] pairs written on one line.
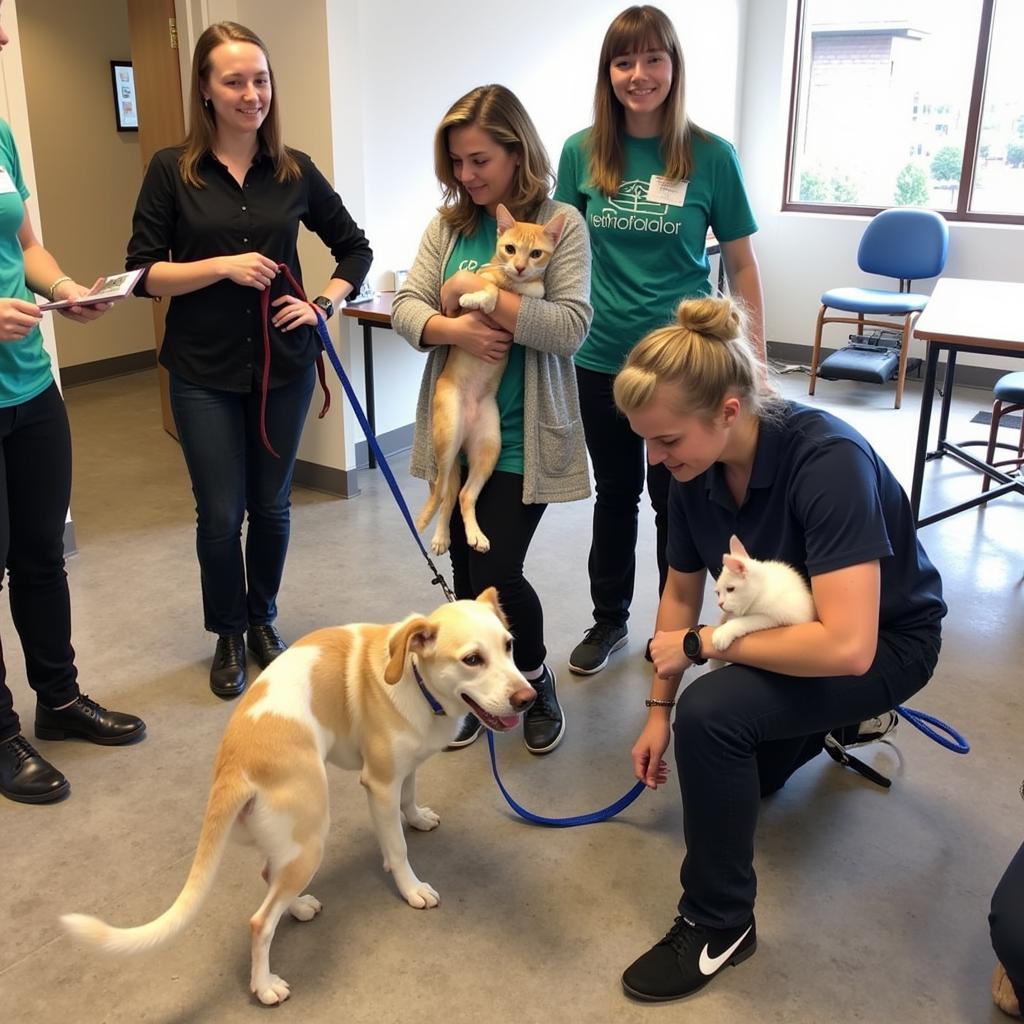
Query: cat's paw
[[483, 300], [722, 637]]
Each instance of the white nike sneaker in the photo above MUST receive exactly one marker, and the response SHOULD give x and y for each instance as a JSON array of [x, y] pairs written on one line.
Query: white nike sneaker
[[687, 959], [873, 729]]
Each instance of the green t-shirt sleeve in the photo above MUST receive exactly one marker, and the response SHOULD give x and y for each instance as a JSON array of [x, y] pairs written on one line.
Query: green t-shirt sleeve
[[567, 187], [731, 216]]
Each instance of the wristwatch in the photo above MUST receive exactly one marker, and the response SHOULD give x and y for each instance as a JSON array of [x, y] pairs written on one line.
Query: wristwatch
[[325, 305], [691, 644]]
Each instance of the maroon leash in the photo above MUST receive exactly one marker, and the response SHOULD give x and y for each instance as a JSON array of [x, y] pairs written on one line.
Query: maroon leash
[[321, 373]]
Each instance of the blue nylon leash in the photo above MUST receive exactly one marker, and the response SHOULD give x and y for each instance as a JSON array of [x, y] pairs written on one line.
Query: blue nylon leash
[[921, 720], [582, 819]]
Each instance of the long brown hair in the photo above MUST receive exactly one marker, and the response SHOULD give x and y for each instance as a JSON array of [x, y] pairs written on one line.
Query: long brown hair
[[202, 130], [497, 111], [635, 30]]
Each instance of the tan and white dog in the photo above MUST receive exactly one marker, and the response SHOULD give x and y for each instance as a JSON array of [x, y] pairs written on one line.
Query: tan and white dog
[[355, 696]]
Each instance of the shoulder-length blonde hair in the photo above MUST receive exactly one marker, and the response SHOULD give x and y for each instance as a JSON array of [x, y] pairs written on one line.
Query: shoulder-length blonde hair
[[202, 130], [497, 111], [636, 30], [704, 358]]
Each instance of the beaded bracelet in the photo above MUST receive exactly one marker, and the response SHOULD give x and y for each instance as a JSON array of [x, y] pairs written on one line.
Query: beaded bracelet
[[60, 280], [651, 702]]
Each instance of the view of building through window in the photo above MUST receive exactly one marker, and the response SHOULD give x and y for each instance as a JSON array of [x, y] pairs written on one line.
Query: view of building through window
[[883, 109]]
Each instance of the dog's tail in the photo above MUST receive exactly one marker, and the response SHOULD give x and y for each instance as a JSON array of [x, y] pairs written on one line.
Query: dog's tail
[[429, 509], [227, 798]]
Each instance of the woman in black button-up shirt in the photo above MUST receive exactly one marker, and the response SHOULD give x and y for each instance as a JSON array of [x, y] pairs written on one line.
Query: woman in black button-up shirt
[[214, 219]]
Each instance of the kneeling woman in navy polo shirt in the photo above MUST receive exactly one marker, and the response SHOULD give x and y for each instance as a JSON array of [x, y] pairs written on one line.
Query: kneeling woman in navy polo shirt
[[794, 484]]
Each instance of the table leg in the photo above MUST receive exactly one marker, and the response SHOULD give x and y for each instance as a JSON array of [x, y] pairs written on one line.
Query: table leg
[[947, 397], [931, 361], [368, 378]]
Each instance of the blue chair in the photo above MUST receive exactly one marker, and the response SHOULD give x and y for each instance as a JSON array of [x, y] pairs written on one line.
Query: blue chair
[[905, 243], [1009, 395]]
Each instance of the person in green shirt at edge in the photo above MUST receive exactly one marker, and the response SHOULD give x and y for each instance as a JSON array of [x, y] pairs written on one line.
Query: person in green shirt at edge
[[487, 151], [35, 488], [649, 184]]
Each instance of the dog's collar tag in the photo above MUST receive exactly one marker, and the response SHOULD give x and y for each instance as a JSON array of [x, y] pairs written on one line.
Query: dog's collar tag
[[431, 700]]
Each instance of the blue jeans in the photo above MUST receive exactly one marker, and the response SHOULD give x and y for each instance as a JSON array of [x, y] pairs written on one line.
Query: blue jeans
[[233, 474]]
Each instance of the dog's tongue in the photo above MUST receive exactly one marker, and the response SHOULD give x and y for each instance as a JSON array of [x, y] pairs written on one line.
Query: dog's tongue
[[508, 721]]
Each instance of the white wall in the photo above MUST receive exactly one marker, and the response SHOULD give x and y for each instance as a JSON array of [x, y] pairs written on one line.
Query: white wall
[[803, 255]]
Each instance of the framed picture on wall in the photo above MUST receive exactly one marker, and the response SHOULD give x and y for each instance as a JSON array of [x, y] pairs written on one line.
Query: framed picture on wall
[[126, 109]]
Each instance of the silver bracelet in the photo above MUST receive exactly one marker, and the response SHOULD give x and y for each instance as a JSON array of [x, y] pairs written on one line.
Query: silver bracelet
[[60, 280], [652, 702]]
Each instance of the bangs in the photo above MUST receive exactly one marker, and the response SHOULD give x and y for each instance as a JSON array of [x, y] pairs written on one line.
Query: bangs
[[638, 30]]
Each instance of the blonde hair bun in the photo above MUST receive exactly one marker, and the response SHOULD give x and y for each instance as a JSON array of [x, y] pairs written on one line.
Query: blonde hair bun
[[717, 318]]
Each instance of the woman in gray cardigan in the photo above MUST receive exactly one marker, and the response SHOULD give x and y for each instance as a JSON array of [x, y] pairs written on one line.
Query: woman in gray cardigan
[[486, 152]]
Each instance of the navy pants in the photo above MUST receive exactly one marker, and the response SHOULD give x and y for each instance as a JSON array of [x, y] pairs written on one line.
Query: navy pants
[[1006, 923], [35, 488], [233, 474], [741, 732], [619, 460], [510, 526]]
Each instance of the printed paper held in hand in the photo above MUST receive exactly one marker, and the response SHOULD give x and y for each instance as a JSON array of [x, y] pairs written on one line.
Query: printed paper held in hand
[[110, 289]]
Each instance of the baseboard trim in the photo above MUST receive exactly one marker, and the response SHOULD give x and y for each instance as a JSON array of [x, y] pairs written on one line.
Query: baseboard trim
[[104, 369], [340, 482], [967, 376], [394, 442]]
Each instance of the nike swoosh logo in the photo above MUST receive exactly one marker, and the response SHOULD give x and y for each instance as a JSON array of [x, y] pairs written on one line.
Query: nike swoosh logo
[[709, 964]]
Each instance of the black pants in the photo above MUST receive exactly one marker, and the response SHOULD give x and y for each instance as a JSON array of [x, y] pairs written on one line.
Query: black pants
[[741, 732], [618, 457], [35, 488], [1006, 922], [510, 526]]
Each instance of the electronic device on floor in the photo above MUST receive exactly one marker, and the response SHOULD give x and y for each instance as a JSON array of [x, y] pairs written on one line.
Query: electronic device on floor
[[872, 358]]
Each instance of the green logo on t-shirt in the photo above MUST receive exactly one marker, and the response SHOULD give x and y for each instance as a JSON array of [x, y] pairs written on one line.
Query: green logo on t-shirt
[[630, 211]]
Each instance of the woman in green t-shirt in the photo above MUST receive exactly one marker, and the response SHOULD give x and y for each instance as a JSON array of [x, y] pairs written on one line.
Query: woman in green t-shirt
[[486, 152], [650, 184]]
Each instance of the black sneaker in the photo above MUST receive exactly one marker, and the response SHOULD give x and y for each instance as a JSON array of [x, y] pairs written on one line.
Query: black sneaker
[[470, 729], [687, 959], [591, 654], [544, 721]]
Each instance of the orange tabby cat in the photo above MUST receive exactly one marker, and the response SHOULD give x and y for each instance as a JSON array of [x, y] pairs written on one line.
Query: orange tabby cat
[[465, 410]]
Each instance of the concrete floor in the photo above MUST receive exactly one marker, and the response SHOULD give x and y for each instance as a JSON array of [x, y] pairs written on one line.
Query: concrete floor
[[872, 904]]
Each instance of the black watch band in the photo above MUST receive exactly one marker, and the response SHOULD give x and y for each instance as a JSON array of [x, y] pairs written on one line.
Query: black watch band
[[691, 644], [325, 305]]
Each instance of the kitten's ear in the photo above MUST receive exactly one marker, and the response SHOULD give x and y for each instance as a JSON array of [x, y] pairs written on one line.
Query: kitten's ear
[[505, 219], [737, 548], [736, 565], [554, 228]]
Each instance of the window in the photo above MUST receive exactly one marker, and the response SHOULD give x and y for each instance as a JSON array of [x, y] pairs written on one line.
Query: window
[[908, 103]]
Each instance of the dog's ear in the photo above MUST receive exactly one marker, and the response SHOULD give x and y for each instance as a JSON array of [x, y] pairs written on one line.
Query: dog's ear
[[490, 596], [417, 635]]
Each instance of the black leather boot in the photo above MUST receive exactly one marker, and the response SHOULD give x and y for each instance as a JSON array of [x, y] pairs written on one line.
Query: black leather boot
[[27, 777], [227, 673], [87, 720], [266, 644]]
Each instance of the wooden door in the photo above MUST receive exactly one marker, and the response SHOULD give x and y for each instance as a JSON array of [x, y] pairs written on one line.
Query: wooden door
[[154, 45]]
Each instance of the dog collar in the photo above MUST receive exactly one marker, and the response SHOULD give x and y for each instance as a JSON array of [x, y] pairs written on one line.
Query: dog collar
[[431, 699]]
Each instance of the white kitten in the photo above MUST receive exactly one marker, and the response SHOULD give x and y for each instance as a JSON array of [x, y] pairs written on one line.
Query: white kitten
[[757, 595]]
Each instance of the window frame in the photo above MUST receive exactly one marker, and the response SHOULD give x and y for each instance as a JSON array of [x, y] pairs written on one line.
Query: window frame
[[970, 160]]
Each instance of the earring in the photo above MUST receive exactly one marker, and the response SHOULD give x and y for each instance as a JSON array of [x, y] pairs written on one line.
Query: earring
[[208, 103]]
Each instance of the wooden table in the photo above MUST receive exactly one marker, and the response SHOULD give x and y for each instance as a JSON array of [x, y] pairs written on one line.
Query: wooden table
[[370, 315], [964, 316]]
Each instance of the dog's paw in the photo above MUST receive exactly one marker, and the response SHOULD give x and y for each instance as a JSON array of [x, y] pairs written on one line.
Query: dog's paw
[[271, 990], [305, 908], [440, 542], [482, 300], [422, 896], [478, 540], [423, 818]]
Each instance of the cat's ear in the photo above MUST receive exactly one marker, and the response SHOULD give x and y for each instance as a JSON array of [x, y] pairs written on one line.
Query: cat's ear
[[505, 219], [736, 565], [736, 547], [554, 228]]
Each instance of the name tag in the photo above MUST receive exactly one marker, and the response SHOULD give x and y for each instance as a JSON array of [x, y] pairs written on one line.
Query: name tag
[[665, 190], [6, 182]]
